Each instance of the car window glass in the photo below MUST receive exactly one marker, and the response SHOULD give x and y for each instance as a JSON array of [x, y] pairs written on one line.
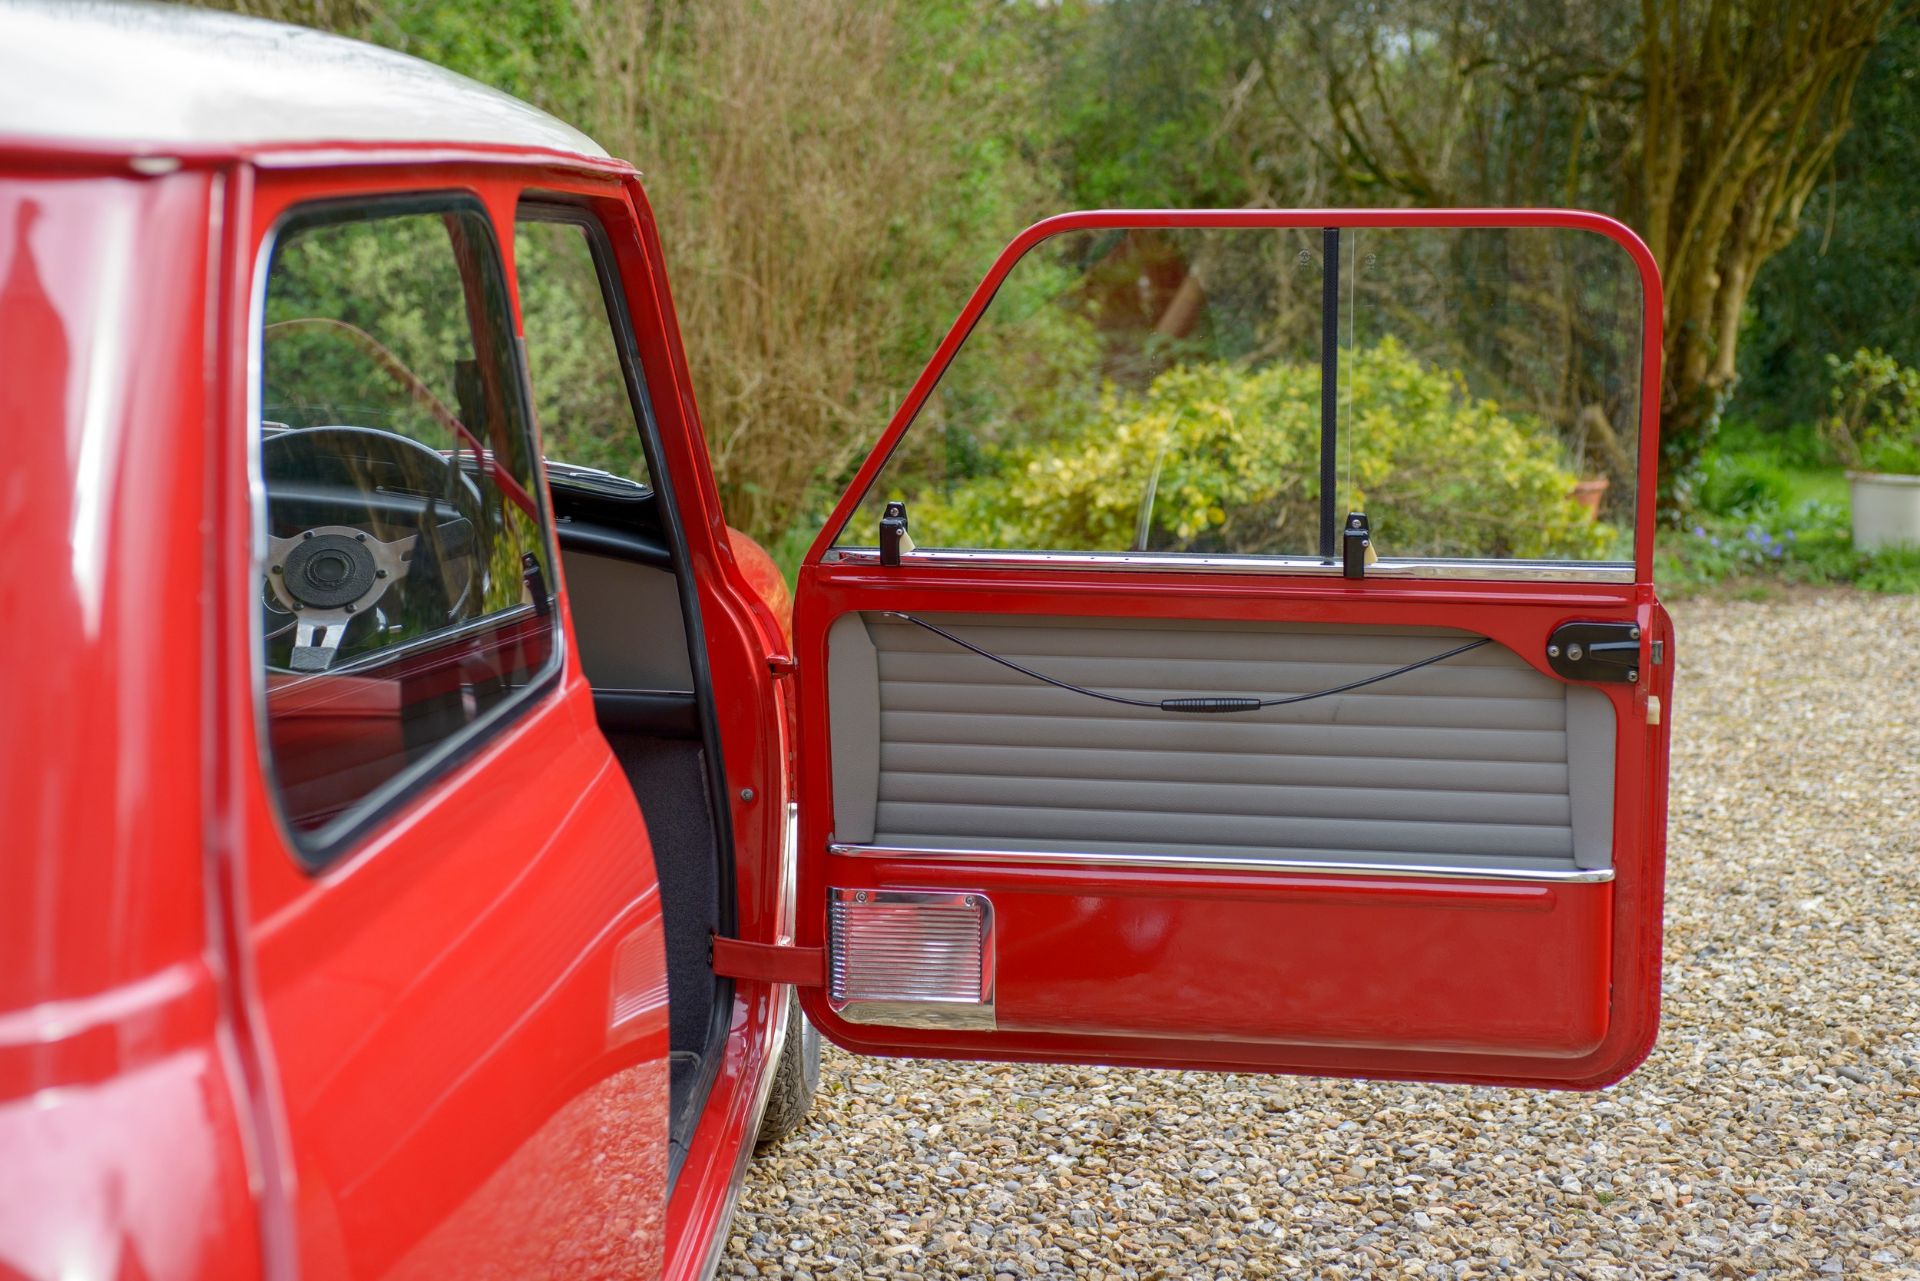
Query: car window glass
[[580, 390], [1166, 391], [1126, 390], [403, 599]]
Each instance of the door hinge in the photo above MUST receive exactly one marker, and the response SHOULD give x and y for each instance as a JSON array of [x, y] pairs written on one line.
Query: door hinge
[[769, 962], [782, 665], [1596, 652]]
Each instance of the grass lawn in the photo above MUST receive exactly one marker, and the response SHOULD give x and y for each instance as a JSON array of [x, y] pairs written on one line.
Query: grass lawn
[[1817, 485]]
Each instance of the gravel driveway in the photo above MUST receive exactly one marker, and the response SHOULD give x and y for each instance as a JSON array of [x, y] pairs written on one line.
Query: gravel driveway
[[1774, 1131]]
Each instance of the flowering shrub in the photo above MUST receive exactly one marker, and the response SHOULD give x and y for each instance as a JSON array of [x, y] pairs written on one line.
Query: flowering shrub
[[1875, 424], [1809, 544], [1211, 457]]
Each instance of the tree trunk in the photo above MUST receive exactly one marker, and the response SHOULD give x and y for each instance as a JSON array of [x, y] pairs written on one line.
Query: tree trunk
[[1743, 105]]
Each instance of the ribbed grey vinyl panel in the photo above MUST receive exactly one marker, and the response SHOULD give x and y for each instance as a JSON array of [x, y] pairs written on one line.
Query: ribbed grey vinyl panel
[[1463, 763]]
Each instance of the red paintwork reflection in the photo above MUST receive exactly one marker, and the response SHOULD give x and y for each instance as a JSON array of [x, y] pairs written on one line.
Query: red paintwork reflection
[[338, 736], [120, 1151], [764, 576], [95, 513], [126, 1180]]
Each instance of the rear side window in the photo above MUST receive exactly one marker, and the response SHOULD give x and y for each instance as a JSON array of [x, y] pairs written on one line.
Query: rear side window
[[404, 601]]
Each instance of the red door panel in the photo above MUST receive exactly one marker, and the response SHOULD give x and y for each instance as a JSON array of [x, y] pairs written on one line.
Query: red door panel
[[1453, 875], [1341, 961]]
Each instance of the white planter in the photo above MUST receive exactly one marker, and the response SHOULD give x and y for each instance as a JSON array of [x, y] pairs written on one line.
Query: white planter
[[1886, 509]]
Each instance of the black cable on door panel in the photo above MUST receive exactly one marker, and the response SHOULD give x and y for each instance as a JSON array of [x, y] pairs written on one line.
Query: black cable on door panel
[[1196, 703]]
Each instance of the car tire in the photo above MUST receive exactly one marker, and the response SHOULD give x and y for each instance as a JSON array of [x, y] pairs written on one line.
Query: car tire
[[795, 1080]]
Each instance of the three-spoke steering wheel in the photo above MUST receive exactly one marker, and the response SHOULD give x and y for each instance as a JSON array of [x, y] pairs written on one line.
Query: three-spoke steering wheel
[[386, 532]]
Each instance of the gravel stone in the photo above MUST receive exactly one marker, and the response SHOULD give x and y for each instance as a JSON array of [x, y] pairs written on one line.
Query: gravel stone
[[1774, 1131]]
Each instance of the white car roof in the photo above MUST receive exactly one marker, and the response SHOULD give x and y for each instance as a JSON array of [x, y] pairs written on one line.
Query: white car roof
[[149, 77]]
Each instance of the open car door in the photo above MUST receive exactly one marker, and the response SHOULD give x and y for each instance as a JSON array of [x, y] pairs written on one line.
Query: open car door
[[1240, 652]]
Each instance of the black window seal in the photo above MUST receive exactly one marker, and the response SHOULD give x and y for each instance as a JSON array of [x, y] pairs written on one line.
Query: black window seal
[[318, 849]]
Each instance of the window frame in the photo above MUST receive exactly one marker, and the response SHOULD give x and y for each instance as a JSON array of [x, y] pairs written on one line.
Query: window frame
[[320, 848], [829, 550]]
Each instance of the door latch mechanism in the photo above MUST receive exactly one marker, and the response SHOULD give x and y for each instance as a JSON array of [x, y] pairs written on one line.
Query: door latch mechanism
[[1596, 652], [894, 538]]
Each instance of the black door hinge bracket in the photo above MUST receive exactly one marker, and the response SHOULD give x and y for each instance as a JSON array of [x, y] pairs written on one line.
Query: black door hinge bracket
[[535, 579]]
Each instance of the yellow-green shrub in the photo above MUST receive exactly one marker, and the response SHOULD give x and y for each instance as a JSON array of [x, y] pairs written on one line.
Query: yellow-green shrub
[[1439, 472]]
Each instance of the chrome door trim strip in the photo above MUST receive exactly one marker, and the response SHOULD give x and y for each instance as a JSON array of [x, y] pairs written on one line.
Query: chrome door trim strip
[[749, 1137], [1424, 568], [1230, 863]]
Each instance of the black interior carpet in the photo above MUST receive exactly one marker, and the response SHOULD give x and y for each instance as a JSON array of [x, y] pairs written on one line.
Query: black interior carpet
[[669, 780]]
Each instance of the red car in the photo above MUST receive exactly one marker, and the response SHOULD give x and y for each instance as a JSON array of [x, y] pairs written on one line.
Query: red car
[[423, 860]]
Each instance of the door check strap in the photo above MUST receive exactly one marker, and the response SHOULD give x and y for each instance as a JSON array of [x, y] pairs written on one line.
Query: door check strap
[[1191, 703], [768, 962]]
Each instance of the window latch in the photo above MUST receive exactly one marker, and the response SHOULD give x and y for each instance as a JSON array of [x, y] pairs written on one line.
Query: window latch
[[894, 538], [535, 580], [1356, 546]]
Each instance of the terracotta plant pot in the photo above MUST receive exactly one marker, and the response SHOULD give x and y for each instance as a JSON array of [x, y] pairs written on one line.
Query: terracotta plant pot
[[1589, 492], [1886, 509]]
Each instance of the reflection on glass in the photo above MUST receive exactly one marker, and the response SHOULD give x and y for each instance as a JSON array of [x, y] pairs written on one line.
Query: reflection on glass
[[403, 596], [1160, 390]]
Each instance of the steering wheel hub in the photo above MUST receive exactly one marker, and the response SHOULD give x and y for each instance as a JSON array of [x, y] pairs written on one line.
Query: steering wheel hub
[[326, 571]]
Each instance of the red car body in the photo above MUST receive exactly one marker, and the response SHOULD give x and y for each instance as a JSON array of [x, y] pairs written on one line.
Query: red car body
[[445, 1053]]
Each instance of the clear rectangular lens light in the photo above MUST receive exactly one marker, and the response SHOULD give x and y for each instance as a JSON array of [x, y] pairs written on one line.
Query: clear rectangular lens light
[[911, 958]]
